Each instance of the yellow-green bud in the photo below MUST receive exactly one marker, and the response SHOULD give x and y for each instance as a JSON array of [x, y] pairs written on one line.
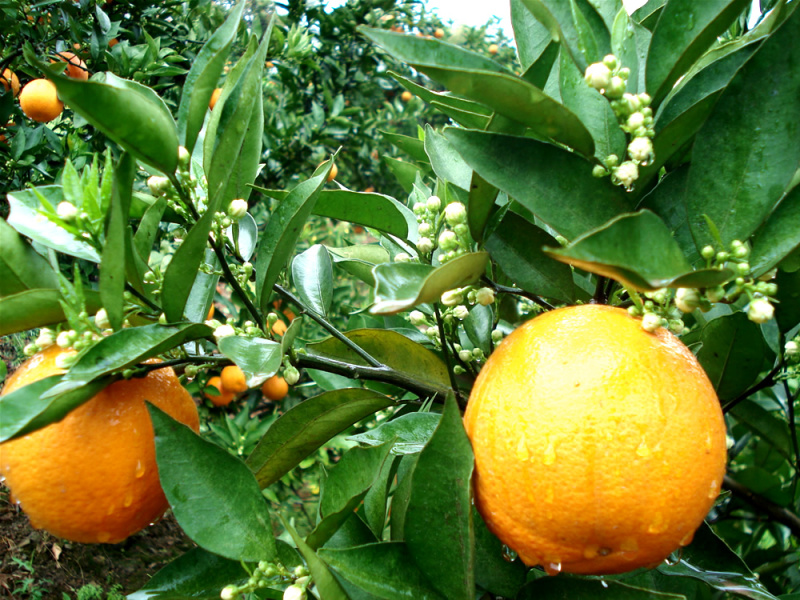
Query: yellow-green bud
[[484, 296], [651, 322], [291, 375], [66, 211], [598, 76], [760, 310], [455, 213], [237, 209]]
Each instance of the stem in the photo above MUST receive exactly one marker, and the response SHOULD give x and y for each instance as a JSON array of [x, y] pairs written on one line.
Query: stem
[[445, 353], [792, 432], [600, 295], [372, 361], [502, 289], [775, 511], [231, 279], [768, 381], [152, 305], [184, 196]]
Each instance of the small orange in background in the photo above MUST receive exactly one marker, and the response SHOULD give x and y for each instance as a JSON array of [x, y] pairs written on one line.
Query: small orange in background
[[76, 68], [210, 314], [113, 42], [224, 397], [10, 81], [279, 328], [233, 379], [275, 388], [39, 100], [493, 48], [439, 33], [406, 96], [214, 97]]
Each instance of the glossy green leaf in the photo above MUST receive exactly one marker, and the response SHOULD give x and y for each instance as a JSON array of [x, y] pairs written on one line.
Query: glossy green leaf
[[409, 432], [353, 532], [478, 326], [197, 574], [465, 118], [312, 274], [684, 31], [37, 308], [214, 496], [493, 572], [780, 235], [112, 264], [556, 185], [401, 496], [258, 358], [405, 172], [345, 487], [412, 146], [401, 286], [531, 37], [442, 98], [446, 162], [376, 500], [639, 251], [305, 427], [407, 360], [386, 570], [629, 43], [516, 246], [26, 219], [732, 353], [147, 131], [26, 409], [787, 312], [203, 289], [360, 260], [147, 231], [771, 427], [244, 235], [125, 348], [572, 588], [648, 14], [201, 81], [325, 582], [278, 241], [21, 267], [441, 501], [746, 152]]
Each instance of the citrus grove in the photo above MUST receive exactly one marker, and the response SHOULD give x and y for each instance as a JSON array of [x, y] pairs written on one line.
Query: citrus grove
[[552, 350]]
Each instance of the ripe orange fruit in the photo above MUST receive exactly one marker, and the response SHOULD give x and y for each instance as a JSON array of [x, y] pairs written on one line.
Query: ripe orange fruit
[[406, 96], [493, 48], [39, 100], [214, 97], [599, 447], [333, 172], [10, 81], [279, 328], [224, 397], [439, 33], [92, 477], [233, 379], [76, 68], [275, 388], [113, 42]]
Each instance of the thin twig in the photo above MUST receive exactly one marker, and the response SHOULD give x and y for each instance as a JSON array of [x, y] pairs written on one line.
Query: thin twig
[[445, 353], [775, 511], [600, 296], [234, 283], [768, 381], [503, 289], [152, 305]]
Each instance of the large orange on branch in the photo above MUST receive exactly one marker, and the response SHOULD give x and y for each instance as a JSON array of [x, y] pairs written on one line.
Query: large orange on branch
[[599, 447], [92, 477]]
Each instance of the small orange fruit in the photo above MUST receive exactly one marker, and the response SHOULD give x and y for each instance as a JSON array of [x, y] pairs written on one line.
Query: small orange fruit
[[210, 314], [214, 97], [224, 397], [439, 33], [76, 68], [113, 42], [92, 477], [39, 100], [233, 379], [10, 81], [275, 388], [493, 48], [599, 447], [279, 328], [406, 96], [333, 172]]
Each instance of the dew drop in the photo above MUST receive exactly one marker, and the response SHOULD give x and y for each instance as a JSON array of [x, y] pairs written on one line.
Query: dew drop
[[708, 442], [659, 525], [629, 545], [509, 554], [643, 450], [604, 551], [103, 537], [713, 491], [687, 539], [603, 583], [522, 450], [591, 551], [550, 452], [140, 470], [128, 499], [552, 568], [111, 510]]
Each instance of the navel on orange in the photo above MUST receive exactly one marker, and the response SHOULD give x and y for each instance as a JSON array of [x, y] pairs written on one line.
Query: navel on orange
[[599, 447]]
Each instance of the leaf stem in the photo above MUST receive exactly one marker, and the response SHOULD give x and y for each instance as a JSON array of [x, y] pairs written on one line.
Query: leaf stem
[[503, 289], [234, 283]]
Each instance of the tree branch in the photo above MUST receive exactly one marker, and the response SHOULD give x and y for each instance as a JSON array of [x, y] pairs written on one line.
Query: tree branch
[[768, 381], [775, 511]]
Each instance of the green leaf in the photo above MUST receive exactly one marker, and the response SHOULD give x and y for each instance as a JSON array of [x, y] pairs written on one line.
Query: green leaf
[[441, 501], [21, 267], [214, 496], [770, 427], [684, 31], [556, 185], [444, 99], [412, 146], [406, 358], [409, 433], [27, 220], [446, 162], [325, 582], [746, 153], [493, 572], [465, 118], [196, 574], [203, 289], [405, 172], [147, 231], [26, 409], [147, 130], [201, 81], [283, 230], [37, 308], [345, 487], [629, 43], [305, 427], [732, 353], [478, 326], [780, 235], [312, 274], [401, 286], [375, 502], [259, 358], [572, 588], [360, 260], [639, 251], [386, 570], [531, 36], [516, 247], [787, 312]]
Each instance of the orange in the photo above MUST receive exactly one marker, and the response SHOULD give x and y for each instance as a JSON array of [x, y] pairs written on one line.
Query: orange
[[113, 42], [10, 81], [224, 397], [333, 172], [76, 68], [39, 100], [406, 96], [210, 314], [599, 447], [439, 33], [279, 328], [214, 97], [275, 388], [233, 379], [92, 477], [493, 48]]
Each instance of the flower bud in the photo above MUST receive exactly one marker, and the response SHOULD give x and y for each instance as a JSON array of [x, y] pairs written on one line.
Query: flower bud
[[224, 331], [417, 318], [651, 322], [300, 571], [627, 173], [760, 310], [66, 211], [484, 296], [599, 171], [610, 61], [419, 208], [101, 319], [676, 326], [687, 299], [497, 336], [228, 593], [66, 360], [402, 257], [237, 209], [459, 370], [715, 294], [158, 185], [465, 356], [598, 76], [30, 349], [455, 213], [425, 245], [641, 149], [743, 268], [462, 231], [635, 121], [448, 241], [291, 375], [452, 298], [64, 339], [461, 312], [433, 204], [791, 349], [616, 88], [183, 157], [708, 252], [45, 339], [425, 228]]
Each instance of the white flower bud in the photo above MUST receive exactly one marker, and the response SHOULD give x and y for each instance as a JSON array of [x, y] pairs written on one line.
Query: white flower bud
[[461, 312], [465, 356], [616, 88], [485, 296], [30, 349], [158, 185], [419, 208], [291, 375], [402, 257], [760, 310], [791, 349], [497, 336], [455, 213], [425, 228], [45, 339], [448, 241], [687, 299], [641, 149], [64, 339], [294, 593], [183, 156], [715, 294], [425, 245], [627, 173], [598, 76], [676, 326], [452, 298], [433, 204], [651, 322], [417, 318], [237, 209], [101, 319], [635, 121], [66, 211], [66, 360], [228, 593], [224, 331]]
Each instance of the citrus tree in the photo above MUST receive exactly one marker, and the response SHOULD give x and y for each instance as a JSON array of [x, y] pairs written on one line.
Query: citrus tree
[[630, 181]]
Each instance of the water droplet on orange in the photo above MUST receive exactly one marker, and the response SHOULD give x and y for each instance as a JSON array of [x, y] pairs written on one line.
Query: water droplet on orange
[[659, 524], [128, 499], [643, 450], [140, 470], [522, 450], [713, 491], [552, 568], [550, 452]]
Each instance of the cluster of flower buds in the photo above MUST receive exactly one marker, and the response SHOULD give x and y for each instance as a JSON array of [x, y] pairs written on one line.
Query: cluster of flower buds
[[162, 187], [267, 574], [446, 230], [658, 310], [81, 334]]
